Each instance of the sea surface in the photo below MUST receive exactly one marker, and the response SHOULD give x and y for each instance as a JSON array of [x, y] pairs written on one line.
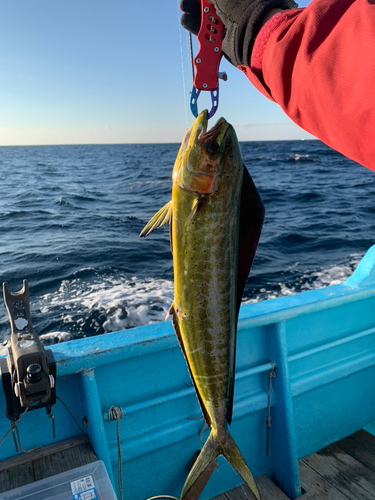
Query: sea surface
[[70, 217]]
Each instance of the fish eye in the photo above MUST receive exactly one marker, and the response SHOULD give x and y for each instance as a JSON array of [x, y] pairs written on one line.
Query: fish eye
[[212, 148]]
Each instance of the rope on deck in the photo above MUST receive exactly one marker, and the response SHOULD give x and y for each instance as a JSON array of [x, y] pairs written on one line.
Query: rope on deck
[[162, 496], [271, 374]]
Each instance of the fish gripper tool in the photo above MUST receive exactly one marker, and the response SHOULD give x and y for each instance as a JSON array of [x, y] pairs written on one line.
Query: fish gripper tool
[[207, 60]]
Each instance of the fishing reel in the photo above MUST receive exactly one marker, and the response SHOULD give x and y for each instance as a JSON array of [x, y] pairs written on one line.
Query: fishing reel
[[28, 373]]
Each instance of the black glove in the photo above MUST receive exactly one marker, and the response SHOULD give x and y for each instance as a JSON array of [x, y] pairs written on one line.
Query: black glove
[[242, 20]]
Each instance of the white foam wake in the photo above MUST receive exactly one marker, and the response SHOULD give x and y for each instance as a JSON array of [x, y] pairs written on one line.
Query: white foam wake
[[310, 280], [111, 303], [106, 303]]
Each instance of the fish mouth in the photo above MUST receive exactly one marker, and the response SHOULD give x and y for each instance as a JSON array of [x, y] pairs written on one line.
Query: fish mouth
[[198, 168], [216, 134]]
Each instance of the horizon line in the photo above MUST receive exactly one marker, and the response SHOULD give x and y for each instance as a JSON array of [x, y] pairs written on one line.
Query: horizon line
[[139, 143]]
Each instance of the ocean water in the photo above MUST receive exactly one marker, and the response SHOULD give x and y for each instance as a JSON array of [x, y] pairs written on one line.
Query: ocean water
[[70, 217]]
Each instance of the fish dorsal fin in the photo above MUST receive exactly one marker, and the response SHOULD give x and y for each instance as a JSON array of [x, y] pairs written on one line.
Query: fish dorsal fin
[[251, 221], [161, 217], [176, 326]]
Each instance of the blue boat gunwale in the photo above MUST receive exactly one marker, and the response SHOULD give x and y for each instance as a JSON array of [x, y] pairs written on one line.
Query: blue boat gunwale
[[92, 352]]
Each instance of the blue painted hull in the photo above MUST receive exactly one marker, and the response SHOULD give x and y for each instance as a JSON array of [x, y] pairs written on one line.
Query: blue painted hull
[[322, 343]]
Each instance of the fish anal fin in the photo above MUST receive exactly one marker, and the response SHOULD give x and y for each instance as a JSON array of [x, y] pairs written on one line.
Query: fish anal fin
[[176, 326], [163, 216]]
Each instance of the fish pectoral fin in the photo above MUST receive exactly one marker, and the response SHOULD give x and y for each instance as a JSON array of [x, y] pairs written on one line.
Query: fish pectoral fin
[[197, 203], [220, 445], [163, 216]]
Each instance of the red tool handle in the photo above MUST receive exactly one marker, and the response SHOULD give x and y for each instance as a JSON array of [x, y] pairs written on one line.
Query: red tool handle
[[207, 60]]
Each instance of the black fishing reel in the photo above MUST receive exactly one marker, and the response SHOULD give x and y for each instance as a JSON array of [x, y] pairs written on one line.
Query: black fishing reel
[[28, 373]]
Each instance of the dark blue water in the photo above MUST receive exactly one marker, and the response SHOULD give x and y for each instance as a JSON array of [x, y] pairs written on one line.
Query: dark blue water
[[70, 217]]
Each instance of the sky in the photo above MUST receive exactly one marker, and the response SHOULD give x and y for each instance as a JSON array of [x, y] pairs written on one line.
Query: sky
[[113, 71]]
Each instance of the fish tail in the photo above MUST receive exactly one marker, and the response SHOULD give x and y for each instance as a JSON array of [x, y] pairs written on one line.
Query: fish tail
[[213, 447]]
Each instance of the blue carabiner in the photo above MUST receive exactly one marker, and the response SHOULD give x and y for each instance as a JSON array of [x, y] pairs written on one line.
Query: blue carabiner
[[194, 101]]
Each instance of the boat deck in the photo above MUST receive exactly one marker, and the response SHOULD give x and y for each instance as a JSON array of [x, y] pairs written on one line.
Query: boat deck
[[344, 470], [45, 462]]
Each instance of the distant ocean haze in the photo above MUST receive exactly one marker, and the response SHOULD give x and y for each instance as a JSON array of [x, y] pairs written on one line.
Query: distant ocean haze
[[70, 218]]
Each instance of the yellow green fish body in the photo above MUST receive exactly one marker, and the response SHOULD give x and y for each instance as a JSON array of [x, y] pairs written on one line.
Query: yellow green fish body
[[205, 257], [215, 220]]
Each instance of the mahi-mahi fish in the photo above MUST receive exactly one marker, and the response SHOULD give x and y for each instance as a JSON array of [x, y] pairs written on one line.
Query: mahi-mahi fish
[[215, 218]]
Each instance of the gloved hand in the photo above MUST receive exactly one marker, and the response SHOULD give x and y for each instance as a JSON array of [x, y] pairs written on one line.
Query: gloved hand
[[242, 20]]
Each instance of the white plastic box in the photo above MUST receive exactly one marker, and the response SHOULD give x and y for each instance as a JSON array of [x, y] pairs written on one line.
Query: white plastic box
[[89, 482]]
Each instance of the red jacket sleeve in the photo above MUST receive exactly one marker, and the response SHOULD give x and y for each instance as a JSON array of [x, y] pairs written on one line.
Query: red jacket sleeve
[[318, 64]]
